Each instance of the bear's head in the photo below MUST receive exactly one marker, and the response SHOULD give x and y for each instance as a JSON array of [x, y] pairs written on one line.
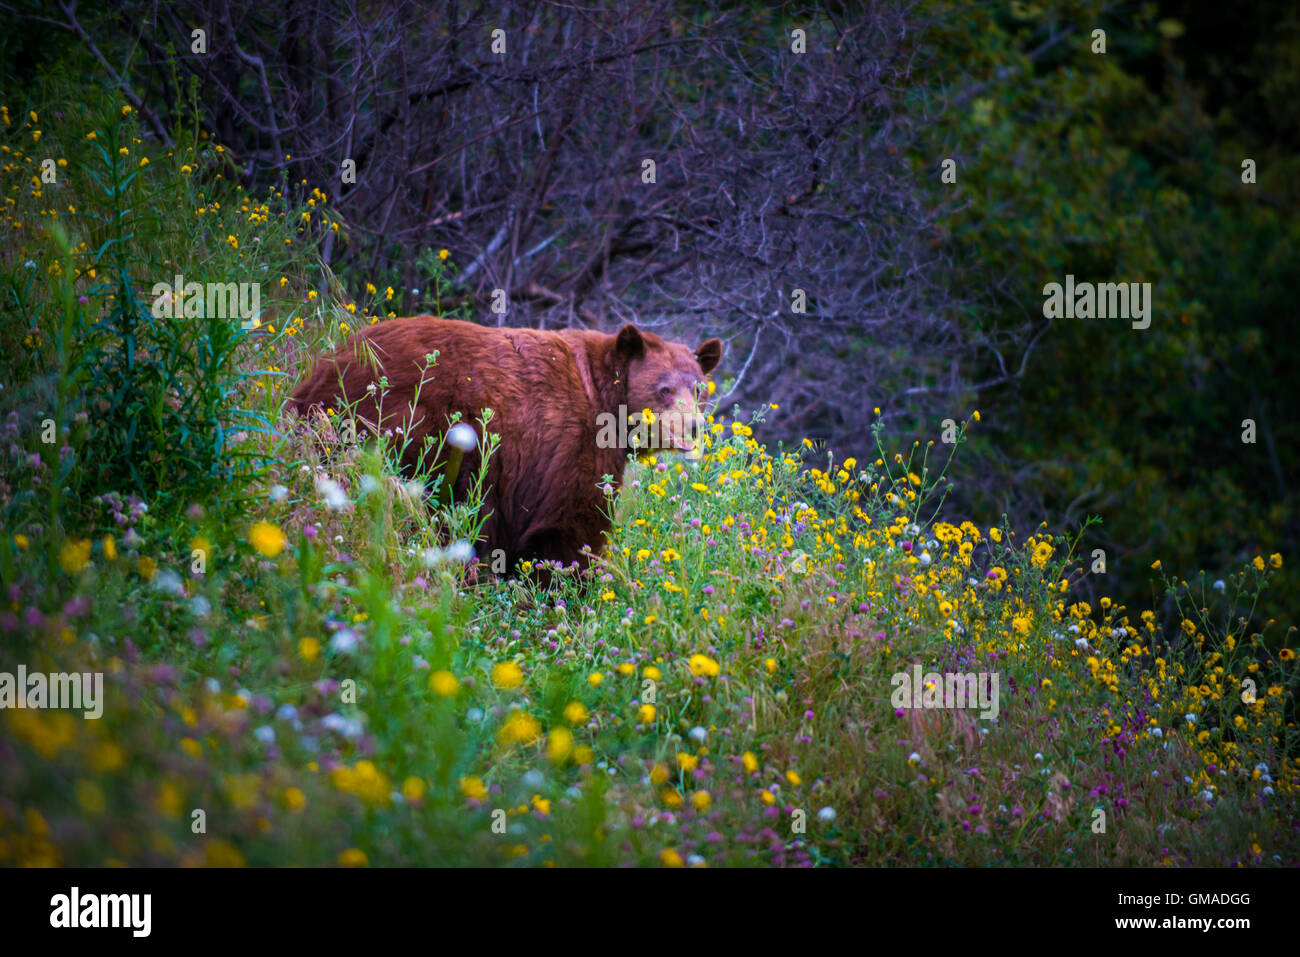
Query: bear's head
[[667, 378]]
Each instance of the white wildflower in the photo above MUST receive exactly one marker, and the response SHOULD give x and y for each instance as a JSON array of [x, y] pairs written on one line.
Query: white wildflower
[[463, 437]]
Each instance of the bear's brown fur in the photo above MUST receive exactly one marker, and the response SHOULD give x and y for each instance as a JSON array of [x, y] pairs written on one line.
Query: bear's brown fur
[[547, 391]]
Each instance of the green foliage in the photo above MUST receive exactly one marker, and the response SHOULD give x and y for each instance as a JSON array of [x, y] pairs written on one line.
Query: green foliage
[[329, 693], [1075, 162], [116, 390]]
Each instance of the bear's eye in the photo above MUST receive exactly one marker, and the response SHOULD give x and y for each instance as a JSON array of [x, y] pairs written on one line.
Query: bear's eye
[[665, 391]]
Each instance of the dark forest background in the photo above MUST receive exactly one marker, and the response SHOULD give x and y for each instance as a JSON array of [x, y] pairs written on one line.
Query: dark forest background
[[777, 172]]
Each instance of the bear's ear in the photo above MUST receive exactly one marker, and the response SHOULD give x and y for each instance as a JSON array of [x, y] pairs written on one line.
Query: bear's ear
[[629, 343], [709, 354]]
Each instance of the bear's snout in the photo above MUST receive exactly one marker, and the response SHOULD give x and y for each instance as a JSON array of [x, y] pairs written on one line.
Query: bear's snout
[[682, 425]]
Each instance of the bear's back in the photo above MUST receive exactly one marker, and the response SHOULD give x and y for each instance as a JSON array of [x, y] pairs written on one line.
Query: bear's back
[[450, 365]]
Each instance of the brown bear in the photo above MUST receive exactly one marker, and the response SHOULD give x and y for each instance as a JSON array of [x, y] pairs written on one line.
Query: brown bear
[[554, 396]]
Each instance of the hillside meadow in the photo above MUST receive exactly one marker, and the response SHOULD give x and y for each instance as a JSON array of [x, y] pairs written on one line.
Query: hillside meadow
[[300, 669]]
